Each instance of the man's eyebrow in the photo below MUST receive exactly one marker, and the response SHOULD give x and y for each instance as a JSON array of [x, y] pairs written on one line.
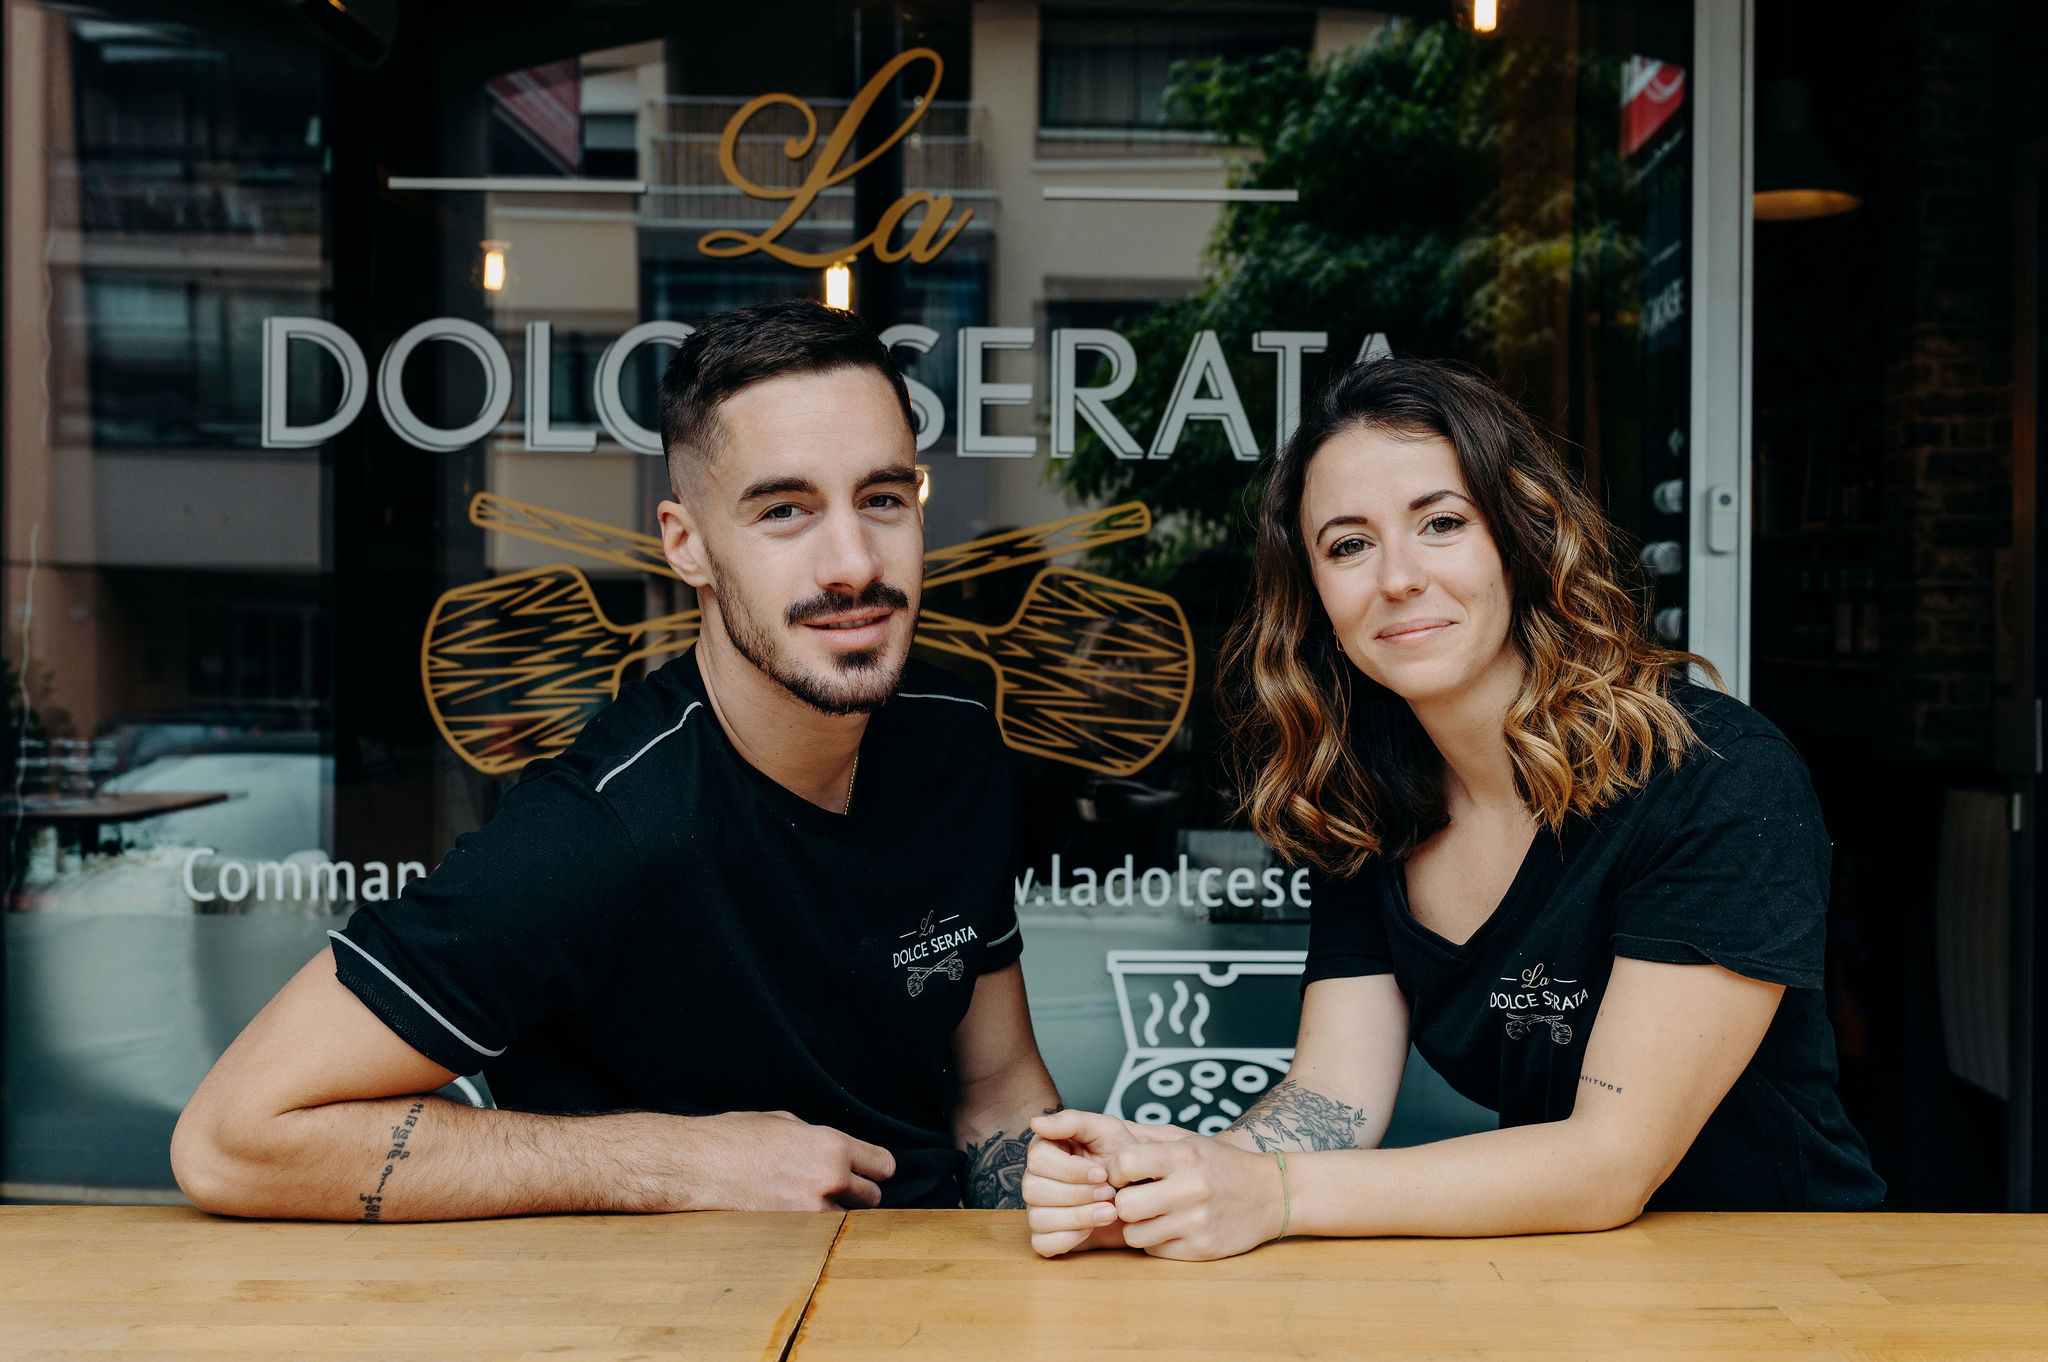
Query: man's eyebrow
[[778, 487], [894, 474]]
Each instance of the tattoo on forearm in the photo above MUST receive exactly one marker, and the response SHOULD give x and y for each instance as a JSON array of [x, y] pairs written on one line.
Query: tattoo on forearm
[[1599, 1083], [995, 1170], [401, 1136], [1292, 1117]]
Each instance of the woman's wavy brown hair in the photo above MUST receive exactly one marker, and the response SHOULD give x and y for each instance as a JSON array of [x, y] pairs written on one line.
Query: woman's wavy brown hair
[[1333, 768]]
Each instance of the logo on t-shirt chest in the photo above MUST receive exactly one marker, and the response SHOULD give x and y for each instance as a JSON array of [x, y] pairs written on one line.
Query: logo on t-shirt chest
[[1534, 1001], [931, 950]]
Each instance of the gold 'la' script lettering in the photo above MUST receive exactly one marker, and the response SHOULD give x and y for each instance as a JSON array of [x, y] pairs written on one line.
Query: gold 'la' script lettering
[[925, 242]]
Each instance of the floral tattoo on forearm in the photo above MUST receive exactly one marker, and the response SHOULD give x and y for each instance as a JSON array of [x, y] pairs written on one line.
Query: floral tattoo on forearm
[[1292, 1117], [995, 1172]]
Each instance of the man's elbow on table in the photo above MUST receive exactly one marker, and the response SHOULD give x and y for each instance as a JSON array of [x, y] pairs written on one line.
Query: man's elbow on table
[[217, 1165]]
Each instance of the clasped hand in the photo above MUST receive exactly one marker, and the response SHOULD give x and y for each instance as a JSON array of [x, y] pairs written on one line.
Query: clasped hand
[[1092, 1181]]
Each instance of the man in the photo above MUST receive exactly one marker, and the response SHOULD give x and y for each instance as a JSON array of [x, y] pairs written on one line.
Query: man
[[749, 943]]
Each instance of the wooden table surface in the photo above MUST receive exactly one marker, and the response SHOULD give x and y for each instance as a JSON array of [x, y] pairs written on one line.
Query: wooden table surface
[[122, 806], [172, 1283], [963, 1284]]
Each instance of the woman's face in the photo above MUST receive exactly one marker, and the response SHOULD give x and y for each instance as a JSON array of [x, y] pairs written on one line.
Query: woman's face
[[1406, 569]]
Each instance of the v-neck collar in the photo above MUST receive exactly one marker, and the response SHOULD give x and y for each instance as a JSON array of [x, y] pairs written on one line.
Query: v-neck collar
[[1543, 864], [788, 802]]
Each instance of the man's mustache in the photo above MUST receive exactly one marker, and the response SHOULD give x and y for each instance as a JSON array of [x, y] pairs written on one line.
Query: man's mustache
[[875, 596]]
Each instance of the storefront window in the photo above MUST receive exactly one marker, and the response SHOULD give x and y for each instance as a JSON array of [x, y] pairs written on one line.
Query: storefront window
[[344, 330]]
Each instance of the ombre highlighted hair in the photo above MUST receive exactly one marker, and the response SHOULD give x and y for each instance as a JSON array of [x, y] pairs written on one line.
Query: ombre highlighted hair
[[1334, 768]]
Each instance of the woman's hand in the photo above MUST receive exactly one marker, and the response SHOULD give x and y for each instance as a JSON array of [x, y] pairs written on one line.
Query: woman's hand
[[1068, 1197], [1196, 1198]]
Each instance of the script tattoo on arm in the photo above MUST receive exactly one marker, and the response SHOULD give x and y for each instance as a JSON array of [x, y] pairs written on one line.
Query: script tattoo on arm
[[401, 1136], [1292, 1117], [1600, 1083], [995, 1171]]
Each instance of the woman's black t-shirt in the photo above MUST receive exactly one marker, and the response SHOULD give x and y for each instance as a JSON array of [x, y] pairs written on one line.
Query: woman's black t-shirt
[[1723, 861]]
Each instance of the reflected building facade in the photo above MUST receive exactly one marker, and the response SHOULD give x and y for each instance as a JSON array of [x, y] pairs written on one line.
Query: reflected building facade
[[322, 325]]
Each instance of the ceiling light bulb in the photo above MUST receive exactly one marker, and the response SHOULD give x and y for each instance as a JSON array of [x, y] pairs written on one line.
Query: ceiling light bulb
[[493, 273]]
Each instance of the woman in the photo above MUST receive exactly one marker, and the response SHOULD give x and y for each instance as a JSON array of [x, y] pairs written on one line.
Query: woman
[[1591, 893]]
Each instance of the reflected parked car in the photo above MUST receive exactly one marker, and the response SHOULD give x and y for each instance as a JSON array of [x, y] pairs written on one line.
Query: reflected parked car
[[137, 739], [276, 787]]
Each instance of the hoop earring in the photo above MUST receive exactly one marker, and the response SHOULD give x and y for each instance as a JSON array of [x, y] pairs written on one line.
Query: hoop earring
[[1336, 639]]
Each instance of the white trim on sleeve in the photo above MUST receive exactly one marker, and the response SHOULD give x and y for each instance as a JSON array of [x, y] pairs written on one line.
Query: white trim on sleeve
[[422, 1003], [694, 706]]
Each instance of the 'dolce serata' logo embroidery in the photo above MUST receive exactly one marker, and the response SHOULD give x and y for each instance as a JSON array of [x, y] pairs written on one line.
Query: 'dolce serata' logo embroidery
[[1534, 999], [932, 952]]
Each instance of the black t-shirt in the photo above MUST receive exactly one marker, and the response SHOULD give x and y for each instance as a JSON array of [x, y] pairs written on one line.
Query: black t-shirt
[[650, 923], [1723, 861]]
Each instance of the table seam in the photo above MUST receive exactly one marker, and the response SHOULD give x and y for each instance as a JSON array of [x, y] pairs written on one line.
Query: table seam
[[824, 1265]]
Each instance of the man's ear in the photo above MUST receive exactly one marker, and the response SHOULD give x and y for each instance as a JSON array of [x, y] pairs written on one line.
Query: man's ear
[[682, 544]]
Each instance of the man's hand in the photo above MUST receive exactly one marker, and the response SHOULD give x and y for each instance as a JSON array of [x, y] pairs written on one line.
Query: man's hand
[[771, 1161], [1067, 1189], [1196, 1198]]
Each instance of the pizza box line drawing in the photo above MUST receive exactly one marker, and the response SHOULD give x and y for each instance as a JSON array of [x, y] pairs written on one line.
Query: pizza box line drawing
[[1207, 1085]]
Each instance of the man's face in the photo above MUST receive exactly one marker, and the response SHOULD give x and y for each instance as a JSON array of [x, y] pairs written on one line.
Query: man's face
[[807, 527]]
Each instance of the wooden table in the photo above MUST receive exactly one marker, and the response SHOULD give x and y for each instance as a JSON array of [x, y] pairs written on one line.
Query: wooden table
[[164, 1282], [84, 813], [964, 1286]]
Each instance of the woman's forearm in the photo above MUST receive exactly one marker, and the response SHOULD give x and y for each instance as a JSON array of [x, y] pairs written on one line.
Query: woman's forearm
[[1297, 1116], [1523, 1180]]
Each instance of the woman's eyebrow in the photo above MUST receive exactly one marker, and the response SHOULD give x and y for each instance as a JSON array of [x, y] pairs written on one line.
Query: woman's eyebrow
[[1334, 521], [1427, 499]]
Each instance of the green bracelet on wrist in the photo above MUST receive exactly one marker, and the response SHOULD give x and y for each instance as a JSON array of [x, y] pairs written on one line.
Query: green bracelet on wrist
[[1286, 1210]]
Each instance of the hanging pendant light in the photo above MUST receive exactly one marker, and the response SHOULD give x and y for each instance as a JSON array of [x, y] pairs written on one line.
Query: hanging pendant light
[[1795, 177]]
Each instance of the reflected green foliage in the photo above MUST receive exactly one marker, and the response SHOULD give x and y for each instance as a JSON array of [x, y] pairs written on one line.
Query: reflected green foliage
[[1464, 197]]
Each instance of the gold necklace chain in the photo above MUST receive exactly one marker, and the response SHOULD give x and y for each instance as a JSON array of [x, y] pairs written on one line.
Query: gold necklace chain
[[849, 783]]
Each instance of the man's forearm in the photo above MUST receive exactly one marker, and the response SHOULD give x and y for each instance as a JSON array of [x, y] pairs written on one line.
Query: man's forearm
[[996, 1148], [995, 1170], [425, 1158]]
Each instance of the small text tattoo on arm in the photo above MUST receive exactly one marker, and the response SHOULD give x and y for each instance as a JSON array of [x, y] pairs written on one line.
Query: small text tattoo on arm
[[1599, 1083], [401, 1136], [1292, 1117]]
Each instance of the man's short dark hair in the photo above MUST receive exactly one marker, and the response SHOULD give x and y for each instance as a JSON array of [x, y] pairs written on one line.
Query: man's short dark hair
[[737, 349]]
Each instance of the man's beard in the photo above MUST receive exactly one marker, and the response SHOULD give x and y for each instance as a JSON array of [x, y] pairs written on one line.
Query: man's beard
[[862, 682]]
